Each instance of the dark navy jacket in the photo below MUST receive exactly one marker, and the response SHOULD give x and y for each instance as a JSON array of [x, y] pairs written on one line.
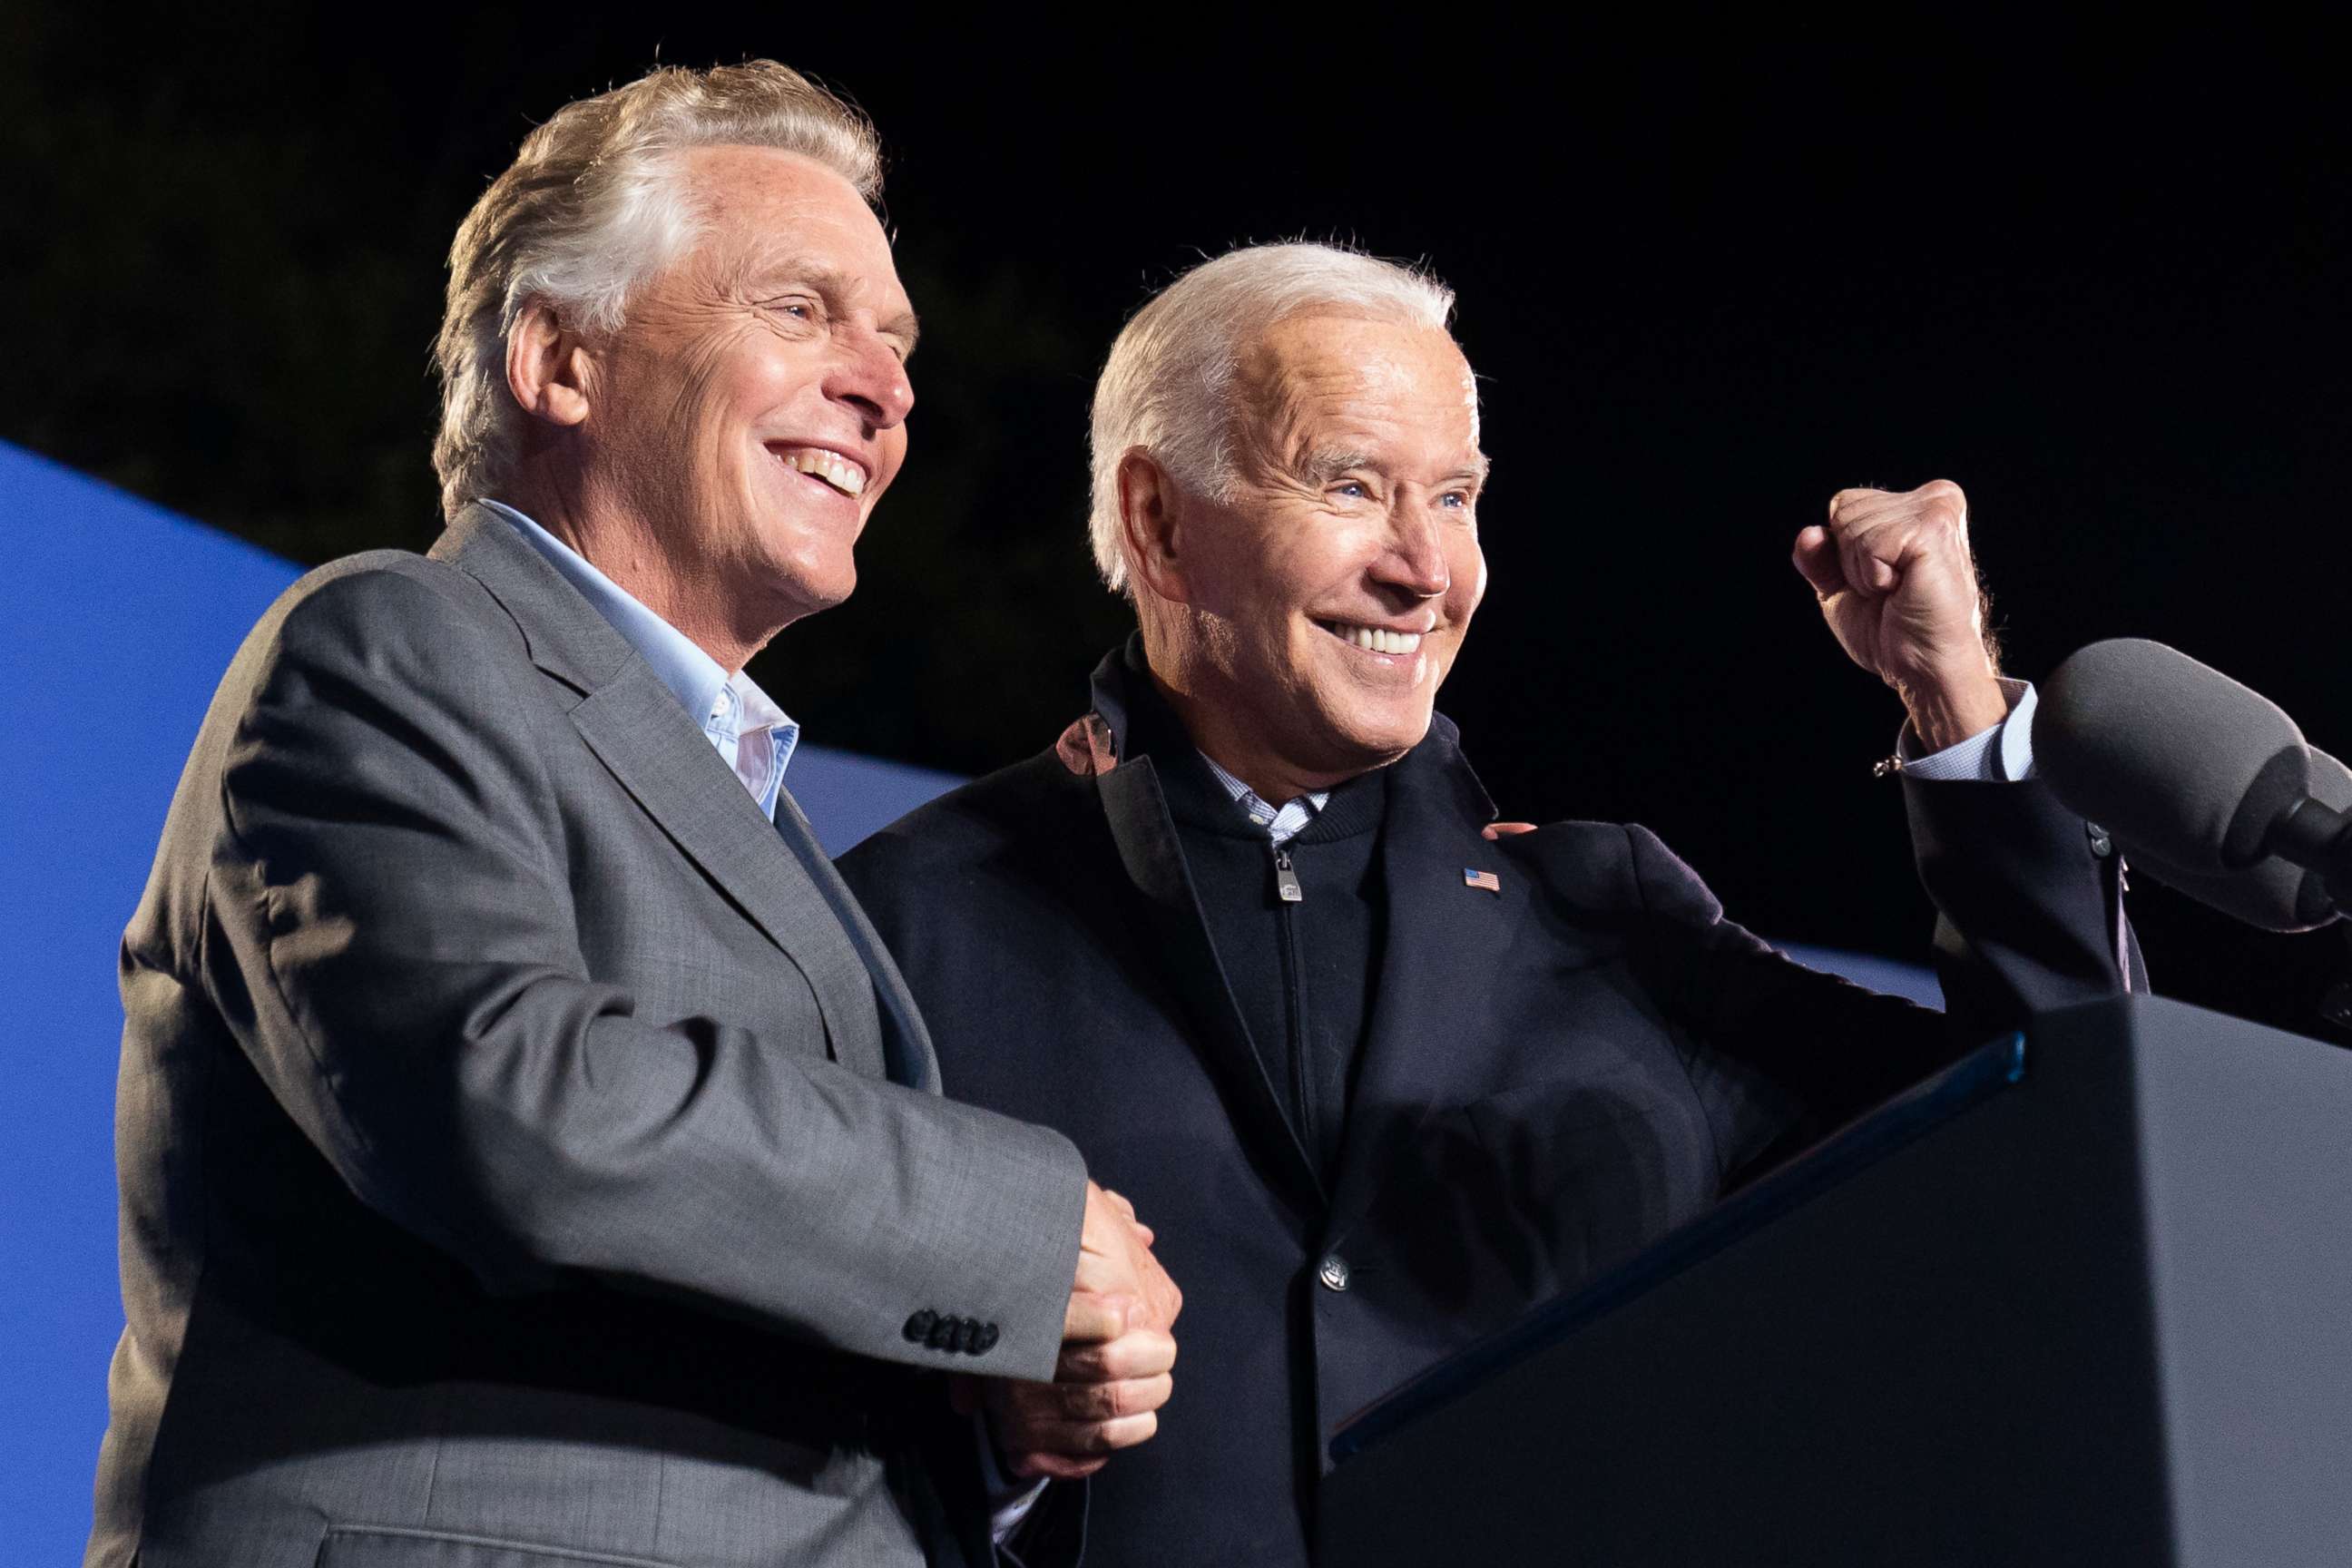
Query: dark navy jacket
[[1554, 1073]]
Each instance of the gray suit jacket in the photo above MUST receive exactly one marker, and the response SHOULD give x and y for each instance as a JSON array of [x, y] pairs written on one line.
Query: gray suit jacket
[[510, 1173]]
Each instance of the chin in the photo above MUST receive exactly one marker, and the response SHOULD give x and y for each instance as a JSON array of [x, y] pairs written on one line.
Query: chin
[[797, 588], [823, 590], [1371, 742]]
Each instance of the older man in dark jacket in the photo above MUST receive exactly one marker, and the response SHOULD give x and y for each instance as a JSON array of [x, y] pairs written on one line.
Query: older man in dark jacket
[[1382, 1073]]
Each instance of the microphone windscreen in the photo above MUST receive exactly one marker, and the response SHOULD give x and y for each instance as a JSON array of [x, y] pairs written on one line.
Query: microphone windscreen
[[2271, 893], [2167, 755]]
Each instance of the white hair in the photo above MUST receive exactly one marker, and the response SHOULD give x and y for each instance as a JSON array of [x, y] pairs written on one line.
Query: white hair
[[1167, 387], [592, 208]]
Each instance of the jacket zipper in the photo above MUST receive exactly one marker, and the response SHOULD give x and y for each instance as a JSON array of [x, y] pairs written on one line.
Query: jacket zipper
[[1289, 893]]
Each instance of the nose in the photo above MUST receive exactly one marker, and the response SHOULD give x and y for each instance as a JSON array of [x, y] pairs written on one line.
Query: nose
[[1415, 559], [870, 377]]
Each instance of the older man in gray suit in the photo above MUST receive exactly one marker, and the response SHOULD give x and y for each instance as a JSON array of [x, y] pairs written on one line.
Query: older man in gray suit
[[529, 1153]]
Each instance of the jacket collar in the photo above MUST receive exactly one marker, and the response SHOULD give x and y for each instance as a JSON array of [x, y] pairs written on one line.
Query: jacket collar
[[1440, 936], [565, 635], [635, 726]]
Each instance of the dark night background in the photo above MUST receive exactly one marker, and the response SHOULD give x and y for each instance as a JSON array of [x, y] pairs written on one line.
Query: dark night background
[[1709, 276]]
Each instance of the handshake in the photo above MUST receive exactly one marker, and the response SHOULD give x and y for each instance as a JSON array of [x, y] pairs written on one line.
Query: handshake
[[1117, 1354]]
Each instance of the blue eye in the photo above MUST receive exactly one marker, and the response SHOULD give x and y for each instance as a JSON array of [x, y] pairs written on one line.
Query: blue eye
[[1351, 490]]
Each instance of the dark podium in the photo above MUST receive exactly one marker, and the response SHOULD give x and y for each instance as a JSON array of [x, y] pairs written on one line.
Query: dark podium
[[2086, 1299]]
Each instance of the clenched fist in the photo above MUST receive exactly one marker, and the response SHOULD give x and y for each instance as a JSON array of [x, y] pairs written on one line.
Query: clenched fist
[[1898, 587]]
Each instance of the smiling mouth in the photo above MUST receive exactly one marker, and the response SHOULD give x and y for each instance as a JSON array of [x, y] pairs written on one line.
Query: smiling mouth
[[827, 468], [1373, 639]]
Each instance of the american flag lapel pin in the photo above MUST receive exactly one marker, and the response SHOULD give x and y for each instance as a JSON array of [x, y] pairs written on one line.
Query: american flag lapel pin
[[1487, 880]]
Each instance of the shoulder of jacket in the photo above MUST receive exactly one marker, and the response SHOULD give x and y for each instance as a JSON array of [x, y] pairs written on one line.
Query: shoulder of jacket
[[1572, 836], [393, 575], [984, 812], [387, 591], [1589, 864]]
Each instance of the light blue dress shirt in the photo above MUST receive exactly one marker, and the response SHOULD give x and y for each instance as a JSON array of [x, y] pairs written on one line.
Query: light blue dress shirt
[[754, 736], [1281, 826], [2002, 754]]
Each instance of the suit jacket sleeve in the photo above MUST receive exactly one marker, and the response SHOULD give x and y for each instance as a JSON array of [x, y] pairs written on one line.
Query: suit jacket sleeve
[[2029, 912], [393, 940], [2029, 917]]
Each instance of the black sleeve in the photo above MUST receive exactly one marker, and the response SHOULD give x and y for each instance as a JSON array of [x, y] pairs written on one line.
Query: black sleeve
[[2029, 917], [2029, 900]]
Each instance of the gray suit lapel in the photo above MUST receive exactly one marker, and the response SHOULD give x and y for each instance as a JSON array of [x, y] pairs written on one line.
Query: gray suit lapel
[[636, 729], [907, 1045], [566, 636]]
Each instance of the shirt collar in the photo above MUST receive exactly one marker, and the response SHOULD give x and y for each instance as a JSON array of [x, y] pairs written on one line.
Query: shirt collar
[[1282, 824], [733, 705]]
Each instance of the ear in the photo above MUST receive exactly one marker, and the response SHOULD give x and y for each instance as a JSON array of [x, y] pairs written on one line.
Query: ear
[[547, 367], [1151, 518]]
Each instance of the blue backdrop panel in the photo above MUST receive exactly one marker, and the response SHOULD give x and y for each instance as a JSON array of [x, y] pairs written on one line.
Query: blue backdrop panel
[[120, 618]]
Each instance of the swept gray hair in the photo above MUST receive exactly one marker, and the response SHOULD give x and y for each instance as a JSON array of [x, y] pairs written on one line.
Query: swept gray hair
[[590, 209], [1167, 385]]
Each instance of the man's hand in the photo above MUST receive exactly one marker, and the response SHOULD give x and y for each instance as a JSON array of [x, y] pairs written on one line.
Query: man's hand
[[1120, 1283], [1116, 1353], [1898, 587]]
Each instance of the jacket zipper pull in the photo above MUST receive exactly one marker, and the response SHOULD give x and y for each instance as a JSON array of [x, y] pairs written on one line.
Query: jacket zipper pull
[[1285, 881]]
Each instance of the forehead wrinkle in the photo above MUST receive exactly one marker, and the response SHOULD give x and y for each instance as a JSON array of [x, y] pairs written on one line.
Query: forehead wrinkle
[[1305, 413]]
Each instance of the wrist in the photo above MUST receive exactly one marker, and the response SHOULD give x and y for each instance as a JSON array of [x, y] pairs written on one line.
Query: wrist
[[1944, 712]]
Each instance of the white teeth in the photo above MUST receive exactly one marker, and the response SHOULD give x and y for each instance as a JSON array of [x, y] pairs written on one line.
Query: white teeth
[[1375, 639], [833, 470]]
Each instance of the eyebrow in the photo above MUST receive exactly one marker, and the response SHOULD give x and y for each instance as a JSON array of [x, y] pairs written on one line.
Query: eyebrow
[[835, 285], [1324, 465]]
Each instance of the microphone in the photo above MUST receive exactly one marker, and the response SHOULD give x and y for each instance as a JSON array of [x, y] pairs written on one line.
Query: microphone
[[2207, 785], [2272, 894]]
